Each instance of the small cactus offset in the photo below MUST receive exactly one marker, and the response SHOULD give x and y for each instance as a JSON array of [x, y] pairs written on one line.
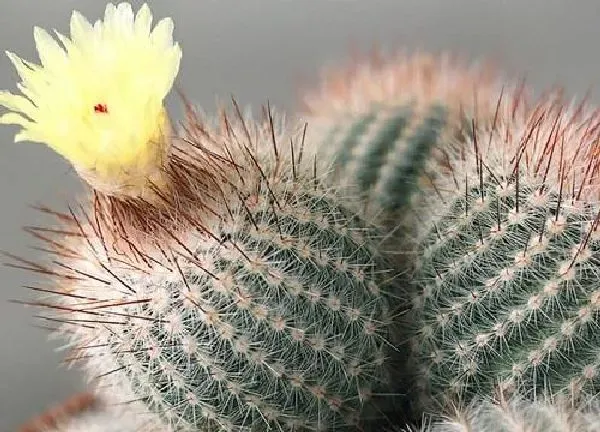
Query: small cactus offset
[[508, 266], [378, 123], [515, 415]]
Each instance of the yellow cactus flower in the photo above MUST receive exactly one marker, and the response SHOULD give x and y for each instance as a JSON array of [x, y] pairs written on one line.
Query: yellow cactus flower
[[98, 99]]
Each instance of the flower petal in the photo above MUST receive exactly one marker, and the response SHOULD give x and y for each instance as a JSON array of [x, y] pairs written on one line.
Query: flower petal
[[109, 15], [171, 69], [28, 135], [121, 63], [50, 52], [19, 64], [17, 103], [143, 21], [65, 41], [162, 35], [81, 29], [15, 119], [124, 19]]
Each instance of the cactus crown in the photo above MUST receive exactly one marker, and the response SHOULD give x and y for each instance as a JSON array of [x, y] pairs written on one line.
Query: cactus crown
[[397, 79]]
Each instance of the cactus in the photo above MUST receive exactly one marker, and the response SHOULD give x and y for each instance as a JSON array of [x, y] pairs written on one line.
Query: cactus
[[378, 123], [211, 277], [271, 312], [387, 127], [506, 214], [515, 414], [507, 269], [383, 152], [219, 280]]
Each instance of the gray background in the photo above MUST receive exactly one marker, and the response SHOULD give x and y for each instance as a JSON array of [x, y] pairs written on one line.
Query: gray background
[[256, 50]]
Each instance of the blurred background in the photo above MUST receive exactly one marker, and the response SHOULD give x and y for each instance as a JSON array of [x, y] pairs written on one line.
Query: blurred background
[[256, 50]]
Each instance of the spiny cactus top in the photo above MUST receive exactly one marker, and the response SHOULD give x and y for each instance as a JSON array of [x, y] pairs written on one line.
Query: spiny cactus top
[[420, 78], [98, 99], [508, 263], [379, 121]]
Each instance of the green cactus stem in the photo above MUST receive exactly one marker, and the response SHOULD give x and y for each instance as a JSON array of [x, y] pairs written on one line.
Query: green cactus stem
[[383, 152]]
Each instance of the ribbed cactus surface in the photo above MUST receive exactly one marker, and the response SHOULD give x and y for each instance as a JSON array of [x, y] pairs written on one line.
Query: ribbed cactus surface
[[285, 327], [391, 129], [270, 310], [509, 296], [507, 268], [501, 229], [381, 152], [379, 120]]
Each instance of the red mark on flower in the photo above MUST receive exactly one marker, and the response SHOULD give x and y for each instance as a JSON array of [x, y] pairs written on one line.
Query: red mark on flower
[[100, 108]]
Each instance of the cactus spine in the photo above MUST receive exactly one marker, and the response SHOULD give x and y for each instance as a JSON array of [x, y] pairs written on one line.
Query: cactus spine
[[507, 270], [269, 309]]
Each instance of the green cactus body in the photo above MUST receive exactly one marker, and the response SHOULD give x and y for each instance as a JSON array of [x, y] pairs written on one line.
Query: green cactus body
[[286, 328], [381, 154], [379, 121], [387, 129], [507, 268], [509, 294], [271, 314]]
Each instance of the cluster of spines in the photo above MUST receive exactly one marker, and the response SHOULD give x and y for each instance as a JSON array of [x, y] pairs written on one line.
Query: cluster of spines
[[381, 121], [265, 331], [401, 78], [507, 295]]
